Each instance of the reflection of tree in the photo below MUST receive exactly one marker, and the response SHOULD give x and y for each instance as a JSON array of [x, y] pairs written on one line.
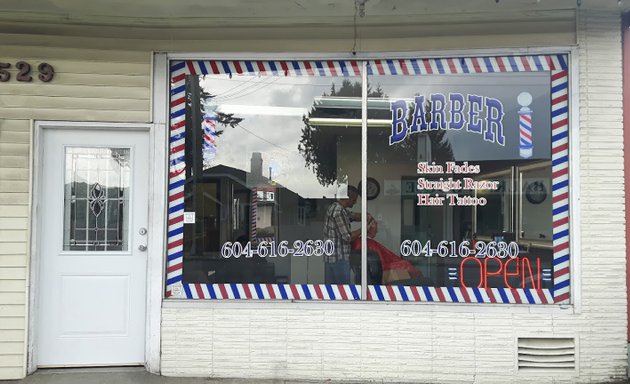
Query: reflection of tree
[[120, 156], [197, 100], [197, 105], [407, 149], [441, 150], [318, 145]]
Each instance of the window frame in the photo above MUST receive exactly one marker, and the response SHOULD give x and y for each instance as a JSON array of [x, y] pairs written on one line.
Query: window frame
[[562, 67]]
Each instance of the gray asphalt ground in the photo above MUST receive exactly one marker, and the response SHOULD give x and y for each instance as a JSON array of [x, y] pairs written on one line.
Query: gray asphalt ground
[[140, 376], [132, 376]]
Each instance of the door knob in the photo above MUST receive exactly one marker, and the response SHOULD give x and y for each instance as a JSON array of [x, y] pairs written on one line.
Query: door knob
[[142, 247]]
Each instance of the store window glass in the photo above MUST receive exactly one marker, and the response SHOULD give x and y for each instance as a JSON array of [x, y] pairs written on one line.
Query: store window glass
[[264, 164], [460, 183], [467, 183]]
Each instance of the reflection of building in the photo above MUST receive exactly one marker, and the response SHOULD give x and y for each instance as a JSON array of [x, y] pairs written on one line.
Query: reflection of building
[[223, 183], [279, 213]]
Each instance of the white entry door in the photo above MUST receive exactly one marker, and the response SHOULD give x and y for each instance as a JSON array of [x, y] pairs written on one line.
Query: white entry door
[[92, 237]]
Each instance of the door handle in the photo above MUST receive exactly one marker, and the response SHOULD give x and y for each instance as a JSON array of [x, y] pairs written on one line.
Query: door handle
[[142, 247]]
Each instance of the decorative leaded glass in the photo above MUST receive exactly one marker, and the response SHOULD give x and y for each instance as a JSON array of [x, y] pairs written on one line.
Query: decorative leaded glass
[[96, 199]]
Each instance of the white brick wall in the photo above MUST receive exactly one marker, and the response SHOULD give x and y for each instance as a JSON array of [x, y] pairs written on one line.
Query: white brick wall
[[442, 343]]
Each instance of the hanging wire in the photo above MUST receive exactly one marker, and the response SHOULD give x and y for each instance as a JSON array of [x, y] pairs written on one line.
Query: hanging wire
[[354, 24], [359, 10]]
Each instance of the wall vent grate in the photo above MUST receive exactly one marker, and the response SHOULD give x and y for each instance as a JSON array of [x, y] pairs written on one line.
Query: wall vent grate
[[546, 354]]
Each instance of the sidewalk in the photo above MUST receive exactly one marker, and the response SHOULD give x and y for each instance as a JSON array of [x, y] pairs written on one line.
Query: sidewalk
[[132, 375], [141, 376]]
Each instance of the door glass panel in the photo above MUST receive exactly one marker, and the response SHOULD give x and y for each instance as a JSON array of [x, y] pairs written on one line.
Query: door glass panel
[[96, 199]]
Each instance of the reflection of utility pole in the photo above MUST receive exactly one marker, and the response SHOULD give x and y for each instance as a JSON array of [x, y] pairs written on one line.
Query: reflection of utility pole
[[195, 128], [196, 158], [269, 174]]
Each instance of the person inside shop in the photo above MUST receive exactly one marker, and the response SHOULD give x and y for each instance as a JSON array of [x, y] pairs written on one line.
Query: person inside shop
[[393, 268], [337, 229]]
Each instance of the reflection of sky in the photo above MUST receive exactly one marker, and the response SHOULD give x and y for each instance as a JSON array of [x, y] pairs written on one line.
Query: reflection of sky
[[502, 86], [98, 165], [275, 132], [272, 109]]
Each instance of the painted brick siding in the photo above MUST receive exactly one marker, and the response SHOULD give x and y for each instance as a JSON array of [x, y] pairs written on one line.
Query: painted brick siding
[[424, 343]]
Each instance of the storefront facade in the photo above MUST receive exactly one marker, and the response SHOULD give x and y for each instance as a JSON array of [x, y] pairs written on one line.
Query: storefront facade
[[182, 200]]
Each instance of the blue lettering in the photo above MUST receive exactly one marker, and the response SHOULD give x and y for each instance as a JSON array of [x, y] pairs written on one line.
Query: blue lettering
[[418, 115], [482, 115], [438, 103], [474, 121], [494, 121], [457, 111], [399, 124]]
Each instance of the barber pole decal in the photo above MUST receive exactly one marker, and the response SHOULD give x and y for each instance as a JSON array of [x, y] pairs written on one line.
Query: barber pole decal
[[209, 126], [253, 221], [526, 146], [557, 65]]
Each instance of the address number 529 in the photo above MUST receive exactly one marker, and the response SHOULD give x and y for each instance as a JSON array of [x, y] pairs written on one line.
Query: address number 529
[[46, 72]]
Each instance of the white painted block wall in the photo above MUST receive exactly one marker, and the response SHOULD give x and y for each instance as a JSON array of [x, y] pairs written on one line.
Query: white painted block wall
[[445, 343]]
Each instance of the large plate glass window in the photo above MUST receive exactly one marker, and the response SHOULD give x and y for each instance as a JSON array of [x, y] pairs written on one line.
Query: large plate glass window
[[263, 156], [467, 183], [472, 158]]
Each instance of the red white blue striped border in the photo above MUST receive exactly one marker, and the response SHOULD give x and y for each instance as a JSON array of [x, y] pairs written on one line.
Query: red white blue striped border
[[236, 291], [320, 68], [560, 182], [429, 66], [459, 294], [557, 65], [463, 65], [257, 291], [176, 181]]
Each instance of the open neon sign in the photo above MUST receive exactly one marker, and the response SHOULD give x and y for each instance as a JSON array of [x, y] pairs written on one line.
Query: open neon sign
[[495, 267]]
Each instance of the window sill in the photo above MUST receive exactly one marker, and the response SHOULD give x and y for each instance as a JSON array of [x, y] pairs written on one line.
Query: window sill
[[421, 307]]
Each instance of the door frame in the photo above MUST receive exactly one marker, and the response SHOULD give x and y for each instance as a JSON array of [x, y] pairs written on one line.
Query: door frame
[[155, 239]]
